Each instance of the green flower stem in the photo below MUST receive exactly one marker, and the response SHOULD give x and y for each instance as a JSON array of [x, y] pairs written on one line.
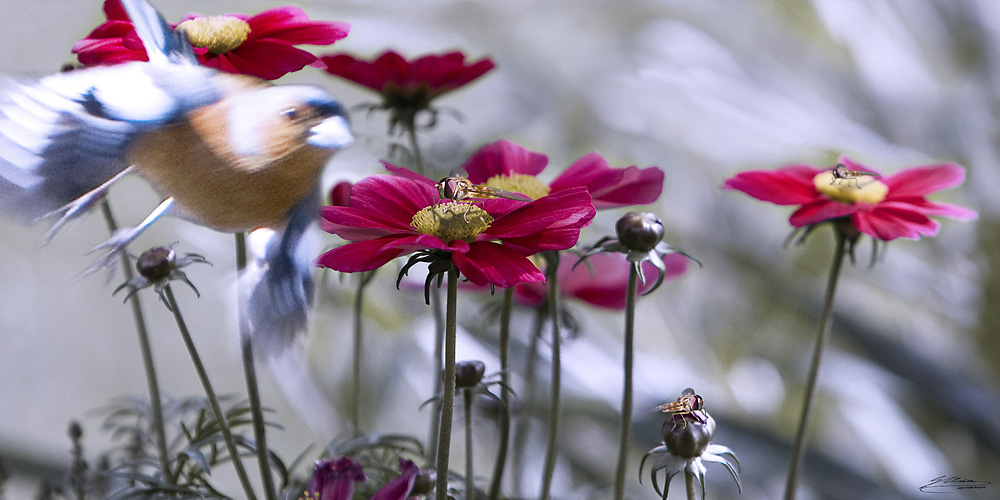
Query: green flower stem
[[146, 351], [410, 124], [470, 491], [627, 390], [551, 265], [438, 370], [689, 486], [527, 392], [799, 447], [498, 467], [359, 296], [448, 400], [220, 416], [250, 374]]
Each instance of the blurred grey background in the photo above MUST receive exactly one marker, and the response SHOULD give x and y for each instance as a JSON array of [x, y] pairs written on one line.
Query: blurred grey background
[[703, 89]]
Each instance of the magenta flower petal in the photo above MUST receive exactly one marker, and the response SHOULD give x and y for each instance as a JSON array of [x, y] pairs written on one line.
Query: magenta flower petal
[[566, 209], [917, 182], [890, 223], [487, 263], [503, 158], [292, 25], [611, 187], [409, 174], [361, 256], [819, 210], [785, 186]]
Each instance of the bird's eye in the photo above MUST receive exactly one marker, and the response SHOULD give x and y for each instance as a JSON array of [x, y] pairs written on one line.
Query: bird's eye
[[290, 113]]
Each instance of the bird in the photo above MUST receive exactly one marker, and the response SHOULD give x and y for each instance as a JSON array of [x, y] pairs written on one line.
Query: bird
[[230, 152]]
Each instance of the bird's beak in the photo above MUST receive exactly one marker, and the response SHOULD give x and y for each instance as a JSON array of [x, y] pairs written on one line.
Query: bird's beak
[[331, 133]]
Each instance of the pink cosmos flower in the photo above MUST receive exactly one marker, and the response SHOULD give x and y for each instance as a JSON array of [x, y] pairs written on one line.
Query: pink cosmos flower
[[603, 284], [262, 45], [884, 208], [334, 479], [487, 241], [508, 166]]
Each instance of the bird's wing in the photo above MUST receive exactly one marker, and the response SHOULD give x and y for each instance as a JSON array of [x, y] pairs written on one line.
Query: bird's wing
[[280, 300], [66, 134]]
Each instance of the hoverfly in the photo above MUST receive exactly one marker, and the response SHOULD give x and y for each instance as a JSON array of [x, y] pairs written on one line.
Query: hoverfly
[[460, 188], [840, 173], [688, 404]]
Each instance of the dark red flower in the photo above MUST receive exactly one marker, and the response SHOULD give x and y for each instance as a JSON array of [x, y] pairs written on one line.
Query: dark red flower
[[408, 87], [262, 45], [884, 208], [487, 241]]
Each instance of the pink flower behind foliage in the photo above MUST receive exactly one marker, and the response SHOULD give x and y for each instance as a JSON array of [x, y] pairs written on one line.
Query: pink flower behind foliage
[[603, 283], [334, 479], [885, 208], [262, 45], [382, 222]]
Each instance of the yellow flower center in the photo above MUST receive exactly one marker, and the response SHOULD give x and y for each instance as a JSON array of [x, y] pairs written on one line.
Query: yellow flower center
[[528, 185], [864, 189], [219, 34], [452, 221]]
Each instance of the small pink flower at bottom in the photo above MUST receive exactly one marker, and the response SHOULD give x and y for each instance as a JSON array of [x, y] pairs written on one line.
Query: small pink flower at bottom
[[403, 485], [334, 479], [885, 208]]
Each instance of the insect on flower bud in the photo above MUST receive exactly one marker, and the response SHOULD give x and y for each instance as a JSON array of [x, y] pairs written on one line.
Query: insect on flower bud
[[686, 435], [469, 373], [156, 263], [639, 231]]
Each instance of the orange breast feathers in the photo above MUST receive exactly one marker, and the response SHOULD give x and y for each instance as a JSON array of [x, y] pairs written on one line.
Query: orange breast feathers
[[241, 163]]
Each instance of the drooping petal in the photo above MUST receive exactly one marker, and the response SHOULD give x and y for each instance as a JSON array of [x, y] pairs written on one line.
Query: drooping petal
[[267, 59], [503, 158], [487, 263], [889, 223], [917, 182], [822, 209], [791, 185]]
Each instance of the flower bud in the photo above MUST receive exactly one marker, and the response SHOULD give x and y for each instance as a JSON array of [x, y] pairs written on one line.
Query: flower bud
[[469, 373], [687, 435], [639, 231], [156, 263]]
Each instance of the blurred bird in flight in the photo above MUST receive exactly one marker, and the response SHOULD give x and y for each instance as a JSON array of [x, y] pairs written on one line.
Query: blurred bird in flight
[[229, 152]]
